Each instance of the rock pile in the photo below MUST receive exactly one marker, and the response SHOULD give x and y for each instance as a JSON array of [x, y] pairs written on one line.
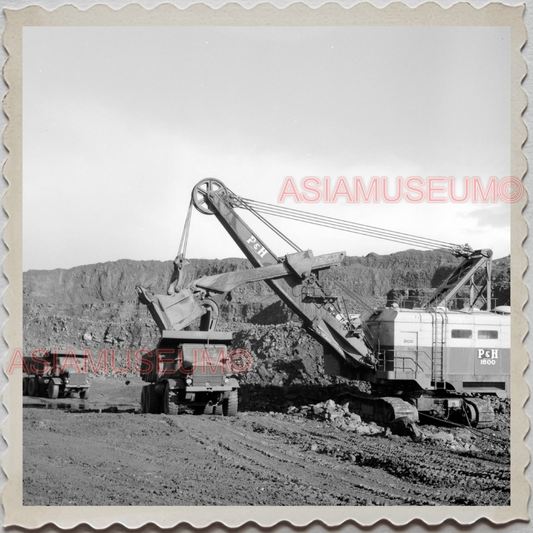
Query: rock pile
[[342, 418], [461, 439], [283, 355], [338, 416], [458, 439]]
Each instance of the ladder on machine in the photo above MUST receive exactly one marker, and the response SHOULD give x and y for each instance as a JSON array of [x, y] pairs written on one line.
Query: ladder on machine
[[439, 319]]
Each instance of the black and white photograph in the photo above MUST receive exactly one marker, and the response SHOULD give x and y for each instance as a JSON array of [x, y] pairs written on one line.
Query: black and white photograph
[[270, 265]]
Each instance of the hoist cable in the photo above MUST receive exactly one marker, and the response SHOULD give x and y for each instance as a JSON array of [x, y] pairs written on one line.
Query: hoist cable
[[237, 201], [345, 226], [245, 203], [355, 224], [320, 220], [272, 227], [185, 234], [355, 228]]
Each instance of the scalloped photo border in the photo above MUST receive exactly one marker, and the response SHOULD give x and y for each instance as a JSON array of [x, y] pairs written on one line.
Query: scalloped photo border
[[397, 14]]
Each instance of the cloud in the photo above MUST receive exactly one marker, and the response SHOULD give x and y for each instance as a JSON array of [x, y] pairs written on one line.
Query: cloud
[[498, 216], [121, 123]]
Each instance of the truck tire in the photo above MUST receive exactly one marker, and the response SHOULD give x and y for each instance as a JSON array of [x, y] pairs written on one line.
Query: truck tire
[[84, 394], [33, 387], [25, 386], [53, 390], [231, 405], [219, 409], [153, 400], [169, 406], [143, 400]]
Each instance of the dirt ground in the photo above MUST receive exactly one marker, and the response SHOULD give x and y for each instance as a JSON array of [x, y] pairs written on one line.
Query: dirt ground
[[87, 457]]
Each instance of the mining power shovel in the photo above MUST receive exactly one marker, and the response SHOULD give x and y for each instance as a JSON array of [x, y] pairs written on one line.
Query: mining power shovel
[[295, 278], [414, 358]]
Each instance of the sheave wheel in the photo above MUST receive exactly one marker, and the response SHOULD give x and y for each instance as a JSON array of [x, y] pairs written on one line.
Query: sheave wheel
[[53, 390], [231, 405], [200, 192]]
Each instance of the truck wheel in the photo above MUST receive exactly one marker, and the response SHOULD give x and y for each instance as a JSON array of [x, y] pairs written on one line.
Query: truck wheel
[[219, 409], [166, 398], [169, 407], [33, 387], [53, 390], [153, 401], [231, 405], [84, 394], [143, 400], [25, 386]]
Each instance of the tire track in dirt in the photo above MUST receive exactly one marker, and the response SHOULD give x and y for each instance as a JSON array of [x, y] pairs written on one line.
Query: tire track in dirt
[[442, 468], [253, 459], [255, 450], [256, 454]]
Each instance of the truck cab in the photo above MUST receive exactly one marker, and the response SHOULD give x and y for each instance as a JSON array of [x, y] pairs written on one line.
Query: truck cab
[[56, 374]]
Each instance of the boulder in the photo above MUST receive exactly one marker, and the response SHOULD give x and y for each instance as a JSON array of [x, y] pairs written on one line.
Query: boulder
[[403, 426]]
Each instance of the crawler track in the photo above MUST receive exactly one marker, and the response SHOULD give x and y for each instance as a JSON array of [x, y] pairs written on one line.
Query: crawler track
[[483, 414], [381, 410]]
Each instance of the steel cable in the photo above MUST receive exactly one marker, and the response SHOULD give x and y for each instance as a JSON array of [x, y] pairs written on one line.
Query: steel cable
[[185, 234], [344, 225], [273, 228], [362, 226]]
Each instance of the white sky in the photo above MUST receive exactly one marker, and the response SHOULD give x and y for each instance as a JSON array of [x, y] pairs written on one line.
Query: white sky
[[120, 123]]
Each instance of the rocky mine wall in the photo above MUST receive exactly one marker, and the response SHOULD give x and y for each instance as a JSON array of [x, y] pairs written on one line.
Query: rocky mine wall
[[95, 307]]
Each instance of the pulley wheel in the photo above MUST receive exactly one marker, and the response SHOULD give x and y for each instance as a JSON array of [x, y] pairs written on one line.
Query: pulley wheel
[[200, 192]]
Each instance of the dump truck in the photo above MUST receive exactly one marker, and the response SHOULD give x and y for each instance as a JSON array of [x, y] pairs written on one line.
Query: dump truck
[[189, 369], [55, 374], [435, 359]]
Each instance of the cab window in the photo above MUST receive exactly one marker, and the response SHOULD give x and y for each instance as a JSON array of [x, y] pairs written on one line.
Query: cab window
[[487, 334], [461, 333]]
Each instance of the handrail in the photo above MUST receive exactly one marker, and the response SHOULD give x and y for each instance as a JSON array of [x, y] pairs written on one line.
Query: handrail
[[418, 362]]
